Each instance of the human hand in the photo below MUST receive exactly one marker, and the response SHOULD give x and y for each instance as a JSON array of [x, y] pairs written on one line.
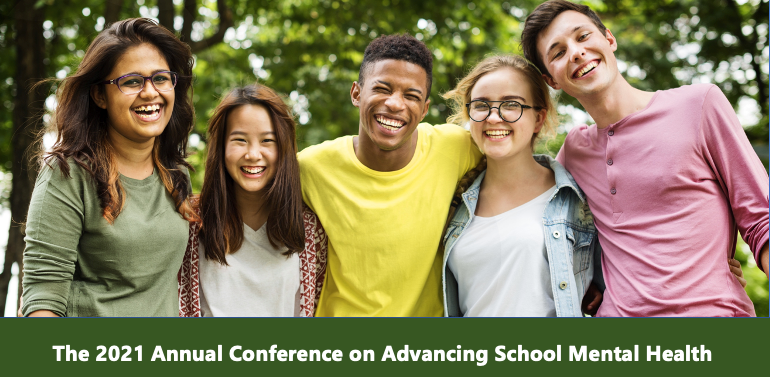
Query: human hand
[[735, 268], [591, 300]]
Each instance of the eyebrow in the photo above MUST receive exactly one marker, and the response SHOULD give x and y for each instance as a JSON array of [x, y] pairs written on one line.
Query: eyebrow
[[153, 72], [408, 90], [245, 134], [551, 47], [505, 98]]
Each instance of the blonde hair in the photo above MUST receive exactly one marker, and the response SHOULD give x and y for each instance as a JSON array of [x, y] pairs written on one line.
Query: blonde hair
[[541, 96]]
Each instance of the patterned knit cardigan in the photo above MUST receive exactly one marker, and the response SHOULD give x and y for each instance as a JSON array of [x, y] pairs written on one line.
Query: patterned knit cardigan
[[312, 269]]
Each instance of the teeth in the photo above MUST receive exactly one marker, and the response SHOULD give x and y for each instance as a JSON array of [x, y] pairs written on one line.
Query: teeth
[[497, 134], [253, 170], [389, 123], [148, 108], [586, 69]]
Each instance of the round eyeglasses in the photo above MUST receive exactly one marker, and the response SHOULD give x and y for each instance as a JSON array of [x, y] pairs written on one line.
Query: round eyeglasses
[[509, 111], [133, 83]]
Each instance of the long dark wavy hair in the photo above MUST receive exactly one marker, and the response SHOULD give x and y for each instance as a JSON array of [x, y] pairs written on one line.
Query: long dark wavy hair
[[81, 125], [221, 230]]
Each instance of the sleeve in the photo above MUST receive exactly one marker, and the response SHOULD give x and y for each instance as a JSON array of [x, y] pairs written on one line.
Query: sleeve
[[473, 154], [561, 156], [188, 277], [54, 227], [312, 264], [738, 169]]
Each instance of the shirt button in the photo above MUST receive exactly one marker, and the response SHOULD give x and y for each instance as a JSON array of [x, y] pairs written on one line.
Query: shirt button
[[609, 162], [611, 132], [613, 191], [556, 234], [563, 285]]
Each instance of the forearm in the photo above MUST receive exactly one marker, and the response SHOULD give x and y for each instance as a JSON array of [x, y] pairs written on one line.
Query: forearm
[[763, 259], [43, 313]]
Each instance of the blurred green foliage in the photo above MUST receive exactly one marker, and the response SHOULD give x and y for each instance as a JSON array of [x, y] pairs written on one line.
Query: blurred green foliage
[[311, 51]]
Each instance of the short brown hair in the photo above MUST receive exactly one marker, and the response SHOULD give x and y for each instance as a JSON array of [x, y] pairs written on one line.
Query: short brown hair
[[541, 18]]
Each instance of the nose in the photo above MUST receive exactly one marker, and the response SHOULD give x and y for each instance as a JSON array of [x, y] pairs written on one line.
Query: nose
[[577, 52], [254, 152], [148, 91], [494, 116], [395, 102]]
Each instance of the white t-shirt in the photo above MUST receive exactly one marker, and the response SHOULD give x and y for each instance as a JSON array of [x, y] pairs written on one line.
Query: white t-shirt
[[501, 264], [259, 281]]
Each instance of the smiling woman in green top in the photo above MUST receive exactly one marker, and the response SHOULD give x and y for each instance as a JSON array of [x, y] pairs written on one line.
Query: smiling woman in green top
[[107, 225]]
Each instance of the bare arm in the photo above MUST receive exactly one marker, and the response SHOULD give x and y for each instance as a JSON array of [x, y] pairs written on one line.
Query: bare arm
[[763, 259], [43, 313]]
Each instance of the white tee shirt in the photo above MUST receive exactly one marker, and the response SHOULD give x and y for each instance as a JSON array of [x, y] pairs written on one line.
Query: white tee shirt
[[259, 281], [501, 264]]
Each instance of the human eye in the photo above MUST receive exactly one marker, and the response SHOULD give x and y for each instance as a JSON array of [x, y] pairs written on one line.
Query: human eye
[[131, 82], [584, 36], [268, 140], [480, 106], [511, 105], [160, 78]]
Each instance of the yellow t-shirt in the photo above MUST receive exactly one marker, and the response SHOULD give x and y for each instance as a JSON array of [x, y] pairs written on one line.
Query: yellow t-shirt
[[384, 227]]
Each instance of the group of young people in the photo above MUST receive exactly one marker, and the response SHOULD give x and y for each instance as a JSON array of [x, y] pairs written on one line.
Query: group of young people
[[638, 215]]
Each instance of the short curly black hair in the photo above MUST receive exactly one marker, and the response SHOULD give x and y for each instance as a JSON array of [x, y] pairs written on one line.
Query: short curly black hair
[[397, 47]]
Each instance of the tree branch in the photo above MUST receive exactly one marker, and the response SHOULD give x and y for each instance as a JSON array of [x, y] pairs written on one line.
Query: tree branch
[[189, 12], [225, 22]]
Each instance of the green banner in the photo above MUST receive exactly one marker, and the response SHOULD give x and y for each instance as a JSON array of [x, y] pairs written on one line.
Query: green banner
[[489, 346]]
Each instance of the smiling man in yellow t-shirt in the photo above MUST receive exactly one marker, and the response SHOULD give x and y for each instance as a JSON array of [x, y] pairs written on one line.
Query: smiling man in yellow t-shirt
[[383, 196]]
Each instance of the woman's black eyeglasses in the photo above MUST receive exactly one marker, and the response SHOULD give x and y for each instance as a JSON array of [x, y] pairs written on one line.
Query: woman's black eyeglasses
[[509, 111]]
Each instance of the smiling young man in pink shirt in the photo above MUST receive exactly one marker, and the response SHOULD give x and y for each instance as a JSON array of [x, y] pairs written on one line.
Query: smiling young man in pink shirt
[[670, 176]]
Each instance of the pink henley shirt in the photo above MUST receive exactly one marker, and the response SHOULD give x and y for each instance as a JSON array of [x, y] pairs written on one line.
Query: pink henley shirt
[[670, 187]]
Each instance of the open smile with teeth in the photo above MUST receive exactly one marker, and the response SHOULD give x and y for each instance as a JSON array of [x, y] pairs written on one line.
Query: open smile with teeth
[[147, 112], [389, 124], [588, 68], [252, 169], [497, 134]]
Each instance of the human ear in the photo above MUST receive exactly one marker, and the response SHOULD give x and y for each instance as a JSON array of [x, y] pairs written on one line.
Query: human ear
[[355, 94], [425, 110], [97, 94], [540, 119], [613, 41], [551, 82]]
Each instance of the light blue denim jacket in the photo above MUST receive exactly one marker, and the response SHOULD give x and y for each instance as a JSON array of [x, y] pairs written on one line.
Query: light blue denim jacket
[[571, 243]]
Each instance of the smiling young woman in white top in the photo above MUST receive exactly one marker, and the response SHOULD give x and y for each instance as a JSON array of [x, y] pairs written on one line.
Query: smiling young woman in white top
[[256, 252]]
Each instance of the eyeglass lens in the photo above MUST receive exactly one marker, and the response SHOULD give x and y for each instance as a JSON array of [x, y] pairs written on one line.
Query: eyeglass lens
[[509, 111], [162, 81]]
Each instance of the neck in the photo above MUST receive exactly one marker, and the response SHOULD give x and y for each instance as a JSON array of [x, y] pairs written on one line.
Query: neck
[[380, 160], [615, 103], [134, 159], [252, 207], [515, 171]]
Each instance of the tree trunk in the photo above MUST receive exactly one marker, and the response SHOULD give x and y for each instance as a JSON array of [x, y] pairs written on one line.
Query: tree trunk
[[27, 123], [112, 11], [166, 14]]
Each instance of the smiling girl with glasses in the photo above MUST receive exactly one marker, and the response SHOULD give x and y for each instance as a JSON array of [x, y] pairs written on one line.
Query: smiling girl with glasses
[[108, 220], [520, 240]]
